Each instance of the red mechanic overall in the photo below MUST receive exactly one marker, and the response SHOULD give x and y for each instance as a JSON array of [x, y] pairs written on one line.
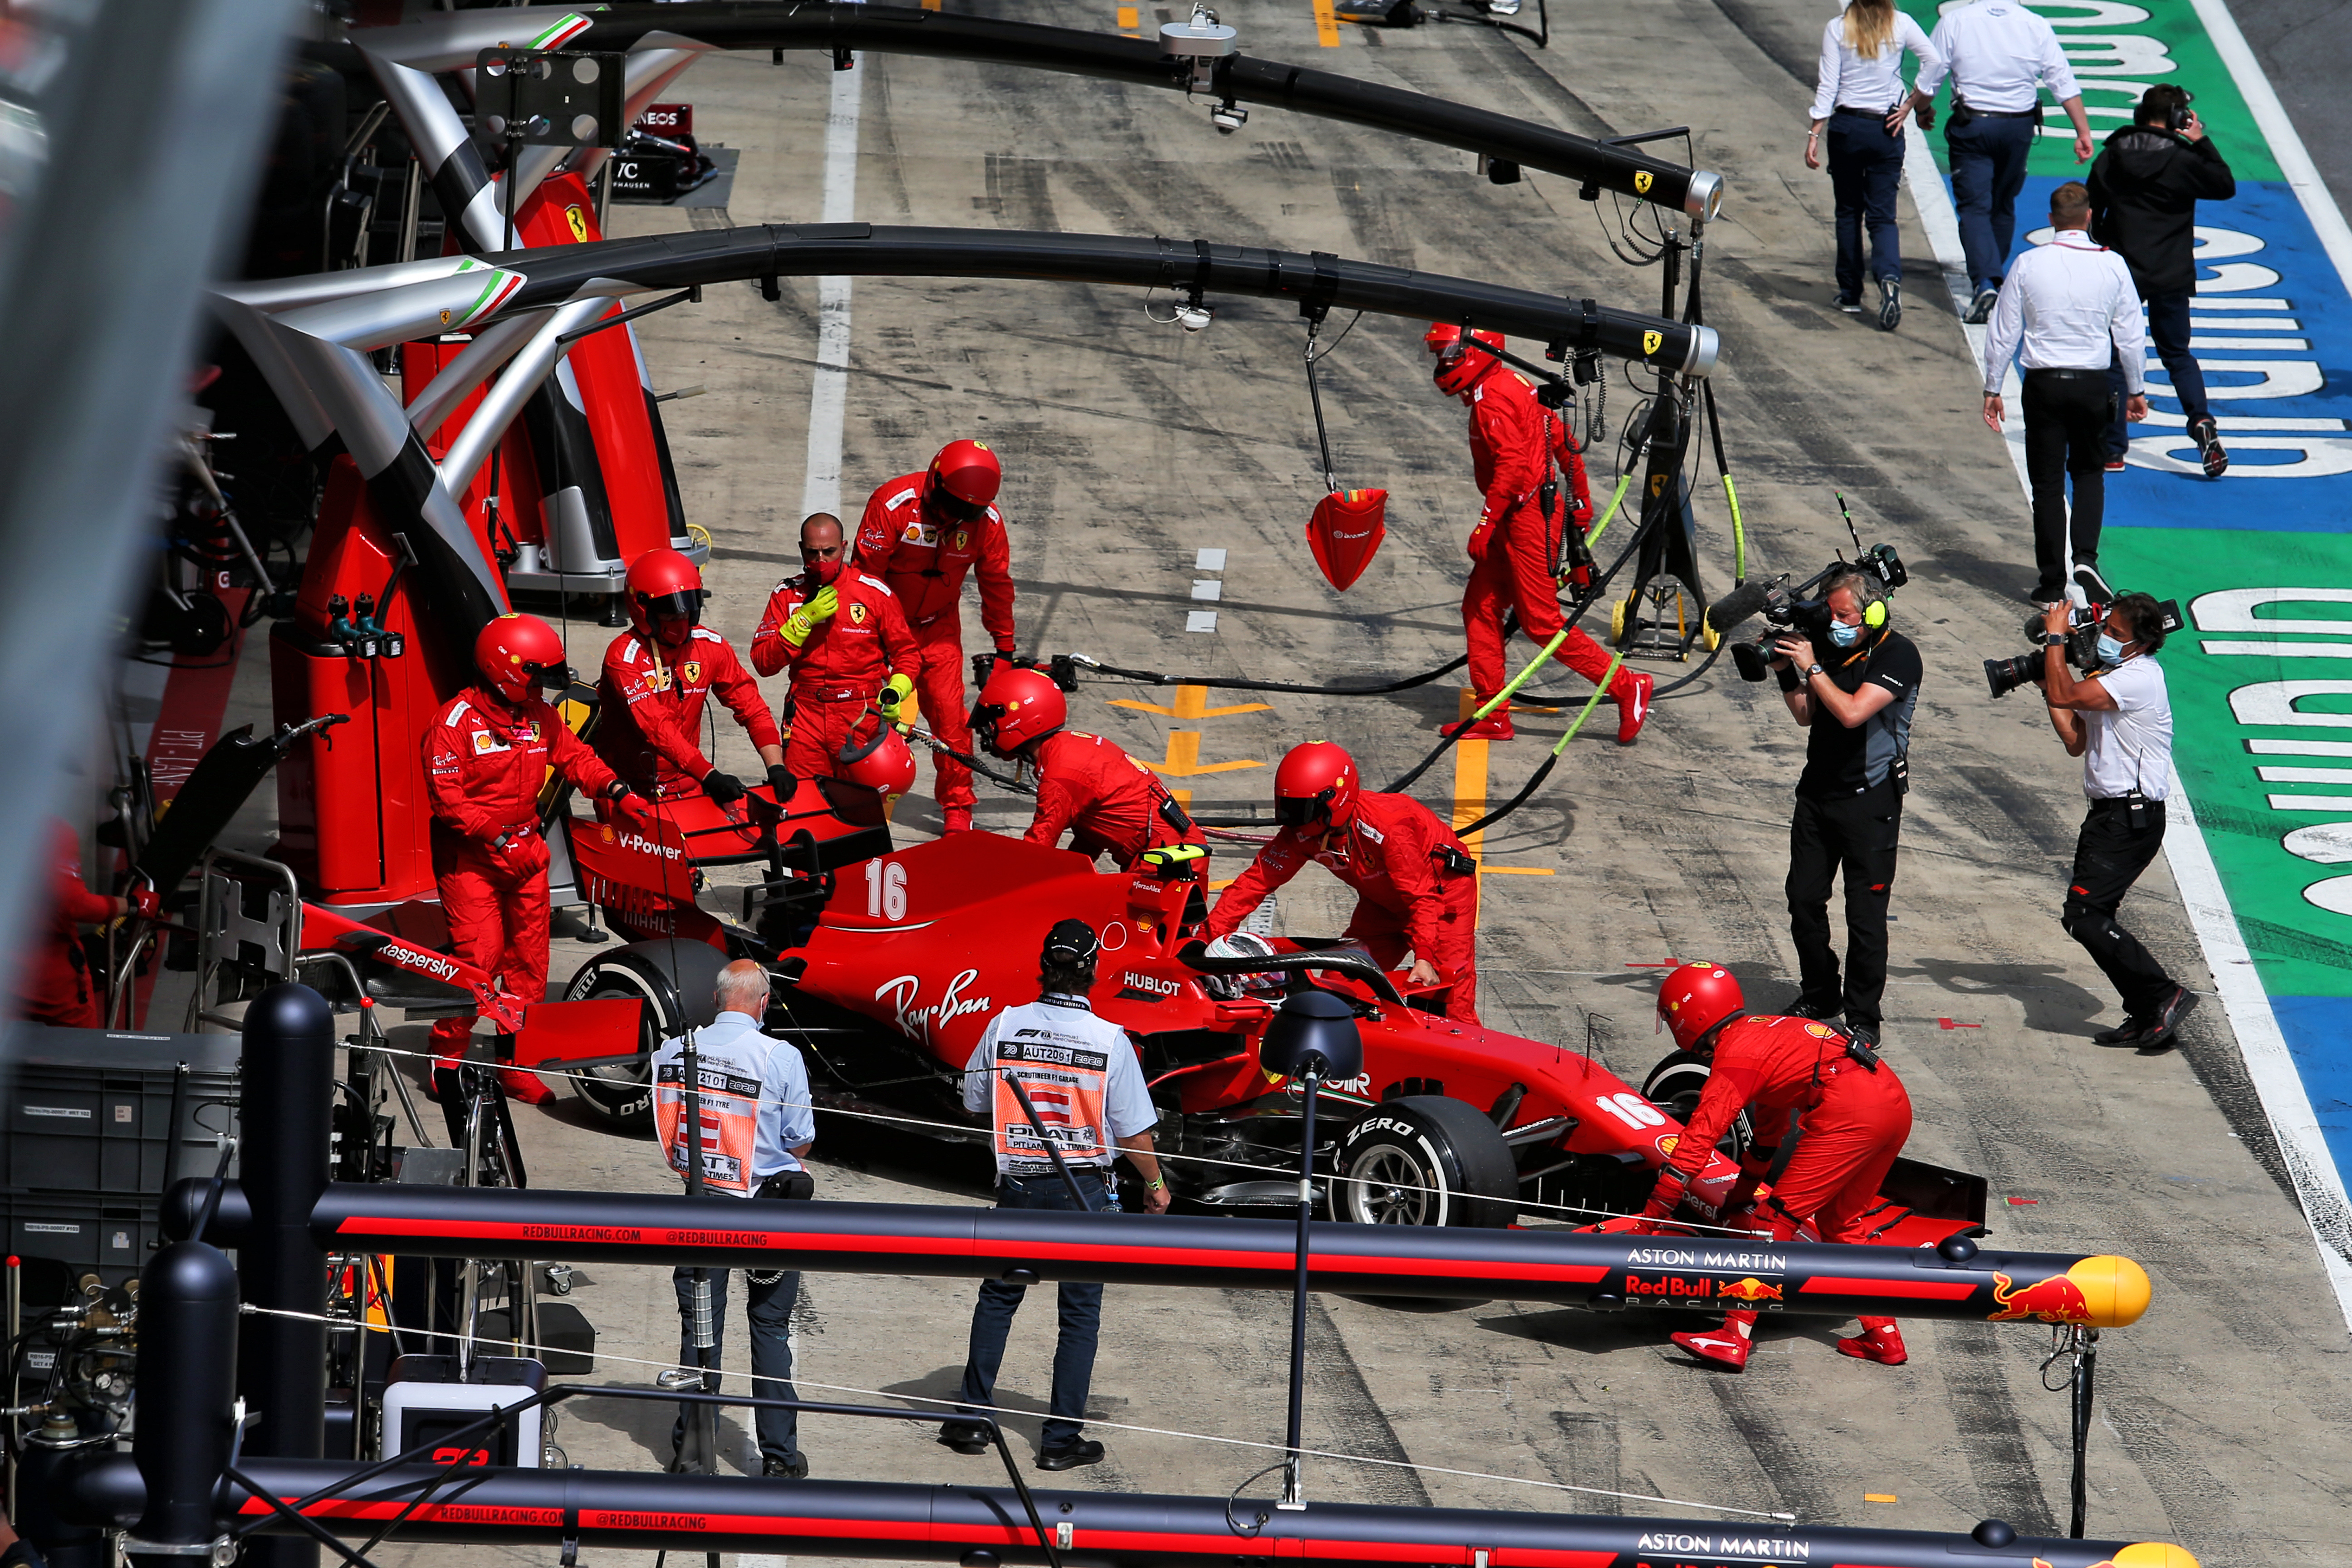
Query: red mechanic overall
[[1514, 442], [657, 678], [485, 759], [53, 985], [1417, 887], [1849, 1109], [923, 533], [1111, 802], [852, 638]]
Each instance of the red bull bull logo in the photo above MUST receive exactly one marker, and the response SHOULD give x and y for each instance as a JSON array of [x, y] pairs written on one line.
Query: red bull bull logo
[[1750, 1290], [2057, 1299]]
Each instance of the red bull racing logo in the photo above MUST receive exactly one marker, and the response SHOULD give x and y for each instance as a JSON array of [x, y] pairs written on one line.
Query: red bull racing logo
[[2057, 1299], [1750, 1290]]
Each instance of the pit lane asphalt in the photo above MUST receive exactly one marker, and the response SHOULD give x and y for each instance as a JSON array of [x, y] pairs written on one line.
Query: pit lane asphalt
[[2225, 1416]]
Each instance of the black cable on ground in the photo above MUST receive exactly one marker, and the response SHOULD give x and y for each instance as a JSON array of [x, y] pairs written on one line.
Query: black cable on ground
[[1154, 678]]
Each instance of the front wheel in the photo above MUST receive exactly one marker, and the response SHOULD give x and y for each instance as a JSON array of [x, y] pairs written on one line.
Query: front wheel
[[1674, 1086], [1424, 1159]]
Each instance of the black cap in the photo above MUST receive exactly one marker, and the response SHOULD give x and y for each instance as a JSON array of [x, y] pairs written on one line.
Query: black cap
[[1071, 942]]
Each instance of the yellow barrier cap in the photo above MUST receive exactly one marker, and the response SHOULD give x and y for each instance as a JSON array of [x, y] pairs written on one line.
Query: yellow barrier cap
[[2154, 1554], [2116, 1290]]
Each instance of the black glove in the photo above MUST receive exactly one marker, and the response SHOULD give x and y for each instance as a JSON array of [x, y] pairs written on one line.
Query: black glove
[[781, 780], [722, 787]]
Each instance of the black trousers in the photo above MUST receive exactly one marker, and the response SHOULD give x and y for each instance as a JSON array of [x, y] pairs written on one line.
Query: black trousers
[[1856, 835], [2109, 855], [2066, 416]]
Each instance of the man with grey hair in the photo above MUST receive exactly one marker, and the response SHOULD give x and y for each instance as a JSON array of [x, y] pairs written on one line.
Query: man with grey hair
[[756, 1124], [1849, 811]]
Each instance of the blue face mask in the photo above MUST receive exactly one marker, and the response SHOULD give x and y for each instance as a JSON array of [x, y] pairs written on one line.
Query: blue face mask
[[1843, 635], [2110, 650]]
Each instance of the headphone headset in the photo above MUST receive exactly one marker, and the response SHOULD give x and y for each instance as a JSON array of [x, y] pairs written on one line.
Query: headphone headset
[[2176, 118], [1873, 614]]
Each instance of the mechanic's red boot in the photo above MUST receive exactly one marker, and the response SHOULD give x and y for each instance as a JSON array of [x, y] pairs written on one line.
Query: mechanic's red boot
[[1880, 1341], [1727, 1346], [955, 819], [1632, 689], [526, 1087], [1495, 726]]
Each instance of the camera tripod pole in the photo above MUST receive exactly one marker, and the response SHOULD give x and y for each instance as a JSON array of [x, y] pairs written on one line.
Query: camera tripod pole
[[1311, 1084], [697, 1449]]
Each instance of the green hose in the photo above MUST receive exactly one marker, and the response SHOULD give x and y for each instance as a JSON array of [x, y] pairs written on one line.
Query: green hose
[[1624, 482], [1739, 533], [1591, 702], [1522, 677]]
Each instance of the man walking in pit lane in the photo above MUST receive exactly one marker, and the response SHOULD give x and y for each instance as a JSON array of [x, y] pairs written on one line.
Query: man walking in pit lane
[[1804, 1082], [1110, 802], [840, 632], [658, 676], [920, 534], [1081, 1075], [1523, 525], [1417, 887]]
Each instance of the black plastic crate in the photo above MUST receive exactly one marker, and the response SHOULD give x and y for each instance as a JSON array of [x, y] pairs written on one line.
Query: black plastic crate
[[109, 1237], [90, 1111]]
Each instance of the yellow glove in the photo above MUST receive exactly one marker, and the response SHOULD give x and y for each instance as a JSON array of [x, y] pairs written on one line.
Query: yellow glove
[[822, 606], [897, 689], [802, 621]]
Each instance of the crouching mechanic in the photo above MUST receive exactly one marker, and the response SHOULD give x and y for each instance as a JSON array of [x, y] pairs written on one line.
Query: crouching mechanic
[[1801, 1079], [921, 534], [841, 633], [1522, 527], [1080, 1074], [757, 1126], [1417, 887], [1110, 802], [658, 677], [485, 761]]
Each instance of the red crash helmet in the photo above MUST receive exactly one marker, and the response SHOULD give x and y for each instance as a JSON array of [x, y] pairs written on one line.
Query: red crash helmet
[[882, 762], [517, 654], [664, 584], [1696, 997], [1316, 780], [964, 478], [1460, 368], [1016, 707]]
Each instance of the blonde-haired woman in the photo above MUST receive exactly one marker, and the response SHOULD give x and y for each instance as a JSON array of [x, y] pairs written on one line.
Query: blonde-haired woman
[[1863, 102]]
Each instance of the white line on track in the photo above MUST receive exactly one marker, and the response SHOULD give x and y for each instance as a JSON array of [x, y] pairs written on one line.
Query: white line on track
[[828, 398]]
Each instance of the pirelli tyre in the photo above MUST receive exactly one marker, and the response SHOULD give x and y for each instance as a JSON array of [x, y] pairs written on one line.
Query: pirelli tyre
[[1424, 1159], [1673, 1088], [675, 982]]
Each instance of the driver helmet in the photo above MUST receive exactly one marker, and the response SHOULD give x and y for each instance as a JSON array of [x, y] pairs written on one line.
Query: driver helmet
[[1459, 367], [1016, 707], [883, 763], [963, 478], [1265, 985], [665, 586], [1317, 782], [1695, 999], [517, 654]]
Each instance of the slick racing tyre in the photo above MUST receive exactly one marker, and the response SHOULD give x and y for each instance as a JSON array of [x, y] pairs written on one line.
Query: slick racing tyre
[[1674, 1087], [1424, 1159], [657, 974]]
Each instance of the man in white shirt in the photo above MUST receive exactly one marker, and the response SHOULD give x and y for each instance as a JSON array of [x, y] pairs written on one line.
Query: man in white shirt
[[2119, 721], [756, 1125], [2000, 55], [2070, 312], [1081, 1077]]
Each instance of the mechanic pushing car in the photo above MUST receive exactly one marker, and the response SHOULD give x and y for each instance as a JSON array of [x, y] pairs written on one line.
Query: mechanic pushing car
[[1083, 1082], [1805, 1082], [921, 534], [485, 760], [842, 635], [1110, 802], [1515, 442], [658, 677], [1417, 887]]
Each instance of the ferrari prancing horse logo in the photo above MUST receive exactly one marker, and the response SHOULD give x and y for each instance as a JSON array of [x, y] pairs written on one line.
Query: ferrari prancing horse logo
[[579, 222], [857, 615], [1650, 341], [1642, 178]]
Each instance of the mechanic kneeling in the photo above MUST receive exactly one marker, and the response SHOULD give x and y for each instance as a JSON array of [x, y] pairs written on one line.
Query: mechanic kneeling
[[1802, 1081], [1417, 887], [1110, 802], [485, 761], [757, 1124], [1081, 1075], [658, 677]]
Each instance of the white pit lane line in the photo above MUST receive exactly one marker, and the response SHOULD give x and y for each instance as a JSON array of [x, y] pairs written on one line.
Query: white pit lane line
[[829, 396]]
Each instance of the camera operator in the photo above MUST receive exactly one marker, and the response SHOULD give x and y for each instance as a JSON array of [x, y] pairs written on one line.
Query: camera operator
[[1849, 809], [2119, 721]]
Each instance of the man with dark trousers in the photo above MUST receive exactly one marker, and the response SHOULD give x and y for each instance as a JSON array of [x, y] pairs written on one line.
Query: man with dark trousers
[[1079, 1075], [1856, 698], [2118, 720], [2069, 312], [2144, 190]]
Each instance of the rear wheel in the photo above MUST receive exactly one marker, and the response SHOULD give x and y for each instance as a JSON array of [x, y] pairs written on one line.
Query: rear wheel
[[657, 974], [1424, 1159], [1674, 1086]]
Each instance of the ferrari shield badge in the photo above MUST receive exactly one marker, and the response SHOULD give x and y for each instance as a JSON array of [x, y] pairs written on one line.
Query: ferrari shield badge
[[1345, 534], [691, 673], [579, 222], [857, 615]]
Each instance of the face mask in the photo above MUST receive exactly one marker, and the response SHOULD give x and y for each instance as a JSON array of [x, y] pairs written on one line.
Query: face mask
[[2110, 650], [825, 573], [1843, 635]]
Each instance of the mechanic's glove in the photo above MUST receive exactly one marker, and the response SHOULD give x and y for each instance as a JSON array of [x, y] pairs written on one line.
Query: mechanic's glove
[[895, 691], [802, 621], [781, 780], [144, 900], [1667, 1195], [1480, 537], [620, 801], [722, 787]]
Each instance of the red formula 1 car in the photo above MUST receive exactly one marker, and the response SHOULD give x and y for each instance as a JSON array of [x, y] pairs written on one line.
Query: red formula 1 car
[[892, 962]]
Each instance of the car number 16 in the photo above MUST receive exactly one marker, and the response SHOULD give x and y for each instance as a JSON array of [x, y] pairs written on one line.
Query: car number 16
[[1631, 1109], [885, 890]]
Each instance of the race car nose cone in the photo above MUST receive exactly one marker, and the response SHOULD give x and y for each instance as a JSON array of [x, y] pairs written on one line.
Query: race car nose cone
[[2116, 1292]]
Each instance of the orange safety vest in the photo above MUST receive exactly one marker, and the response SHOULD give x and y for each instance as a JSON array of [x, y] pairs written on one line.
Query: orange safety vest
[[730, 1118], [1067, 1073]]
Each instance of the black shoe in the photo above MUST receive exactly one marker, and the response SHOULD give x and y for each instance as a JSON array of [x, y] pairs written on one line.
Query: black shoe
[[1850, 303], [1801, 1008], [2046, 595], [1980, 308], [2166, 1022], [965, 1437], [2127, 1033], [2095, 586], [1890, 304], [2207, 435], [1071, 1455], [792, 1469]]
